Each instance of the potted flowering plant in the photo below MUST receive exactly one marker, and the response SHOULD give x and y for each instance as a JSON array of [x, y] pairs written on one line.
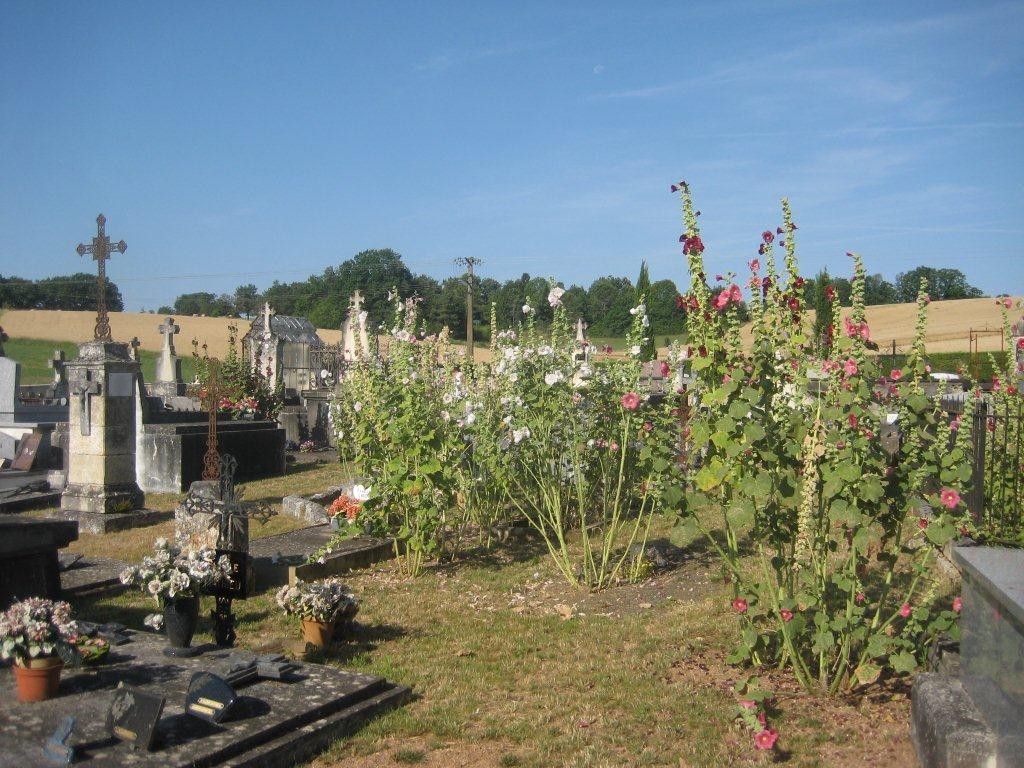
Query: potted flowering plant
[[36, 633], [344, 510], [175, 579], [321, 605]]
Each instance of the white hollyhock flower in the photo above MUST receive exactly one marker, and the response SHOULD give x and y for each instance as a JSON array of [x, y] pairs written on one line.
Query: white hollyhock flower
[[553, 378], [527, 309], [555, 296]]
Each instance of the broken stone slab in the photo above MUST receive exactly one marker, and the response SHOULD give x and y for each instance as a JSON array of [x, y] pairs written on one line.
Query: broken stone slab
[[313, 508]]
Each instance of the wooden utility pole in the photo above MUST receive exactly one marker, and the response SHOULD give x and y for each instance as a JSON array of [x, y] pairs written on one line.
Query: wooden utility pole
[[469, 262]]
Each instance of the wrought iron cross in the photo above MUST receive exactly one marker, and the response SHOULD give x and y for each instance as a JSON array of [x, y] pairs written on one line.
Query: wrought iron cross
[[100, 250], [210, 396]]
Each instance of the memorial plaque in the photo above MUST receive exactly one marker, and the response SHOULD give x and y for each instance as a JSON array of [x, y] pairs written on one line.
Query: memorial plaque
[[120, 384], [133, 716], [209, 697], [57, 749]]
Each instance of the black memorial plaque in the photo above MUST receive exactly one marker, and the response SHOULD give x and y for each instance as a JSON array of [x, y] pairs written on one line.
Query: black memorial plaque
[[133, 716], [209, 697]]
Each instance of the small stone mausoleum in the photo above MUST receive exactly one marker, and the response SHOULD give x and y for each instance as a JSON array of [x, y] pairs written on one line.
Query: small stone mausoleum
[[279, 347]]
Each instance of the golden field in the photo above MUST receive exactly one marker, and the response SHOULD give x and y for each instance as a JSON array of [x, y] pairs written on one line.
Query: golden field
[[58, 325], [949, 325]]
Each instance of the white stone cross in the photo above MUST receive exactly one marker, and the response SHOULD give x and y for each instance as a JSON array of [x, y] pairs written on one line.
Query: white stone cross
[[268, 313], [357, 302], [168, 328], [57, 363], [135, 344]]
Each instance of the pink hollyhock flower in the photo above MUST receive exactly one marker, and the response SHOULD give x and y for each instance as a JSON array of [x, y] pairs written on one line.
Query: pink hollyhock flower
[[949, 497], [740, 605], [1006, 302], [954, 425], [849, 328], [766, 738], [748, 704], [726, 378], [794, 304], [922, 523], [762, 718], [830, 293], [958, 604], [767, 236], [754, 265], [664, 369], [631, 401], [735, 293], [693, 245], [648, 426], [721, 300], [859, 598], [905, 610], [719, 278], [1020, 344], [852, 418], [786, 615], [850, 367], [895, 374], [613, 446]]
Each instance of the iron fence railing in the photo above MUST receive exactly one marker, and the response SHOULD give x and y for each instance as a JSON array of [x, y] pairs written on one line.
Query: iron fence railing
[[996, 500]]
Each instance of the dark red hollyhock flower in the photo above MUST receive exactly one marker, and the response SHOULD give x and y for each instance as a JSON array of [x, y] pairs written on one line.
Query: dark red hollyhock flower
[[792, 226], [680, 302], [682, 238], [778, 230], [760, 249], [696, 213], [766, 282], [689, 351], [782, 243], [702, 351], [679, 186], [794, 303], [799, 282], [693, 245], [796, 318], [830, 293], [767, 236]]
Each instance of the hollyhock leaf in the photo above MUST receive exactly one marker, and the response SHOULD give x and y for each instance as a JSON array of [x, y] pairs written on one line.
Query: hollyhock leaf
[[848, 472], [684, 533], [868, 673], [903, 662], [753, 431]]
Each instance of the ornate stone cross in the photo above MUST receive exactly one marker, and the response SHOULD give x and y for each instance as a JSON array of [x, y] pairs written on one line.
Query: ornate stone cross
[[57, 363], [168, 329], [135, 344], [84, 387], [100, 250]]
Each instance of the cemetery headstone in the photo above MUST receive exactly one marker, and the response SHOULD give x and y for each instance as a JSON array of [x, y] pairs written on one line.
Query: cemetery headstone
[[101, 432], [3, 338], [355, 342], [169, 382], [10, 380], [58, 363], [135, 344], [133, 716], [214, 516]]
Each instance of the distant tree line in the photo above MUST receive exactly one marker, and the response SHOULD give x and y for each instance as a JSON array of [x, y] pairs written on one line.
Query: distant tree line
[[77, 291], [604, 305]]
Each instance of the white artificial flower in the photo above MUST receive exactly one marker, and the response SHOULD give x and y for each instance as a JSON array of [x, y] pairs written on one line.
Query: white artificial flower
[[357, 406], [518, 435], [555, 296], [553, 378], [360, 492], [154, 620], [470, 418]]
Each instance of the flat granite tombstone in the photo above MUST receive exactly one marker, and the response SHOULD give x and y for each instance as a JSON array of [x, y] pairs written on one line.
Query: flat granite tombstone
[[29, 566], [274, 722]]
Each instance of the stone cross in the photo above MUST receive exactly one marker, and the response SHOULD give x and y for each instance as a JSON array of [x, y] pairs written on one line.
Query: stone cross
[[135, 344], [268, 314], [83, 389], [169, 328], [357, 302], [57, 363], [100, 250]]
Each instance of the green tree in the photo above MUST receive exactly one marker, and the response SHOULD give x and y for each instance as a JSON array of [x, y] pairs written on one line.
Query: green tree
[[666, 317], [609, 300], [246, 299]]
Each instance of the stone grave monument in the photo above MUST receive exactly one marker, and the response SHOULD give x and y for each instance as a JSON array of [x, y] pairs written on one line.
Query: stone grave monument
[[102, 420], [169, 382]]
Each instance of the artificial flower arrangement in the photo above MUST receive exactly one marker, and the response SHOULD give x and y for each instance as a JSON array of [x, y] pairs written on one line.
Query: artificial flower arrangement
[[37, 628], [326, 601], [170, 574]]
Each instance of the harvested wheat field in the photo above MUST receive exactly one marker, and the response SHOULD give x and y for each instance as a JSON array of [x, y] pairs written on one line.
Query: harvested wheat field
[[58, 325]]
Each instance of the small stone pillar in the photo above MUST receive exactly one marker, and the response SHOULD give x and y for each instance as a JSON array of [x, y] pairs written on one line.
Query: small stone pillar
[[101, 432]]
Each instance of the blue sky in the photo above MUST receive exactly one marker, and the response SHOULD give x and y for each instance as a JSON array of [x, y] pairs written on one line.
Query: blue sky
[[246, 142]]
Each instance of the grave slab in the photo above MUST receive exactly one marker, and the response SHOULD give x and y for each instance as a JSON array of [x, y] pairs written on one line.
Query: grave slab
[[275, 722], [281, 559], [99, 522], [28, 557]]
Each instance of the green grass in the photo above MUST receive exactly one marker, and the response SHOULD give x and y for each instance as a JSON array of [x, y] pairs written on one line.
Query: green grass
[[33, 354]]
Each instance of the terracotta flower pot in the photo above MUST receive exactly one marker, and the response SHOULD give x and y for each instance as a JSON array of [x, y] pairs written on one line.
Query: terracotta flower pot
[[318, 633], [39, 680]]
